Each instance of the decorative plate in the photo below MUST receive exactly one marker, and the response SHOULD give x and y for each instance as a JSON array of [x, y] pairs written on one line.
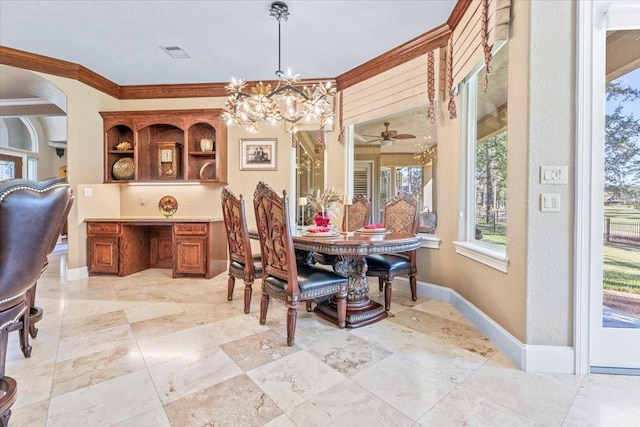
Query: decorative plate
[[168, 205], [372, 230], [123, 168], [203, 170], [320, 232]]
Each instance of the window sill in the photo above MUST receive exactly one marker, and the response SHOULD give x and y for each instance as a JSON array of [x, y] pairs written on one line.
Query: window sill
[[430, 241], [494, 258]]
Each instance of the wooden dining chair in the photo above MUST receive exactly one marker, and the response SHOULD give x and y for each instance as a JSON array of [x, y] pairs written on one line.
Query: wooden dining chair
[[30, 214], [357, 213], [400, 216], [282, 278], [242, 263]]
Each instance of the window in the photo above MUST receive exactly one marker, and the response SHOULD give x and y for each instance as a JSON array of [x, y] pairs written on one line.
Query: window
[[484, 226], [17, 139]]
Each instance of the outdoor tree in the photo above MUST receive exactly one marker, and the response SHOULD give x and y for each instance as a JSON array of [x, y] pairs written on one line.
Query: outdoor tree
[[622, 145], [491, 173]]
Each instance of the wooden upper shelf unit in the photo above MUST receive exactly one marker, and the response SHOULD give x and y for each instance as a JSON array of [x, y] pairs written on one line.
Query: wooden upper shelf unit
[[165, 146]]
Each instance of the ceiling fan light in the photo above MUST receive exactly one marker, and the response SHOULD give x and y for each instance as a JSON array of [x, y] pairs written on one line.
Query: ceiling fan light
[[386, 142]]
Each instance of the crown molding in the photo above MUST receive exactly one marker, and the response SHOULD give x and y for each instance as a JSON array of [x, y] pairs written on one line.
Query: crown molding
[[457, 13], [438, 37], [44, 64]]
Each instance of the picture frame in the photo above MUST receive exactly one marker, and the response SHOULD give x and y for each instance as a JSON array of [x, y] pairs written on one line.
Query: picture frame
[[258, 154]]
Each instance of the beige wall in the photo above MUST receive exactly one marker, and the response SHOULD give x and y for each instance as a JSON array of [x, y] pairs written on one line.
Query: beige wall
[[533, 300]]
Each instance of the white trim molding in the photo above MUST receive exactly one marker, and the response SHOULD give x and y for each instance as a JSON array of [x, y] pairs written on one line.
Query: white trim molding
[[429, 241], [494, 258], [530, 358]]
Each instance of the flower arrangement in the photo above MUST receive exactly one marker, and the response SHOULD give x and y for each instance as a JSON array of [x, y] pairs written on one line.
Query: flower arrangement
[[323, 203]]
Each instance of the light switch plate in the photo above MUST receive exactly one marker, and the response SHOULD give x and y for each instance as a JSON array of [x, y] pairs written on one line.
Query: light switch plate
[[87, 192], [550, 202], [554, 174]]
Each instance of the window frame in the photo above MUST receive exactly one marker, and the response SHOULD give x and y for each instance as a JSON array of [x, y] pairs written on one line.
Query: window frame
[[489, 254]]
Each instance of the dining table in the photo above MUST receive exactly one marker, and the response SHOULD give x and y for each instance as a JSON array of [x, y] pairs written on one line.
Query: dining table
[[349, 252]]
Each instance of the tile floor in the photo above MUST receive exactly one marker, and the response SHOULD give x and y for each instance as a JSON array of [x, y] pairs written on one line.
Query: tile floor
[[148, 350]]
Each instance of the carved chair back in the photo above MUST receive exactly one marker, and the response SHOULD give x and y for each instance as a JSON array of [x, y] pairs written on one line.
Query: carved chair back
[[359, 213], [235, 221], [401, 214], [276, 243]]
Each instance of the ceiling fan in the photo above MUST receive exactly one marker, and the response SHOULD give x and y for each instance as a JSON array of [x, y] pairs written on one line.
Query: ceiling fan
[[387, 137]]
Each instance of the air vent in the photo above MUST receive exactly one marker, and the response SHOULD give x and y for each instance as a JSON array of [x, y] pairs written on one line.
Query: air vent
[[175, 52]]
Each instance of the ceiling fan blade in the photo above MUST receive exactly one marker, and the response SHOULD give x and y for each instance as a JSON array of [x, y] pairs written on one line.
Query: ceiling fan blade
[[374, 140], [404, 136], [390, 133], [373, 136]]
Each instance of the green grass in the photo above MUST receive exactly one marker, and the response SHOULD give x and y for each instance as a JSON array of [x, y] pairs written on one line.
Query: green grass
[[621, 262], [621, 269]]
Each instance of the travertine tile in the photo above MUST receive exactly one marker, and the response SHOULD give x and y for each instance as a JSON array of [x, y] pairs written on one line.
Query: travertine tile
[[463, 407], [439, 308], [541, 397], [76, 346], [174, 345], [77, 373], [34, 385], [452, 332], [111, 350], [448, 360], [105, 403], [343, 351], [292, 379], [258, 349], [191, 373], [153, 418], [347, 404], [388, 335], [93, 323], [606, 400], [404, 385], [34, 415], [235, 402]]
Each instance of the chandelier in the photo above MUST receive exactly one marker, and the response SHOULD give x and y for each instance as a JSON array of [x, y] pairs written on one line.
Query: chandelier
[[288, 102]]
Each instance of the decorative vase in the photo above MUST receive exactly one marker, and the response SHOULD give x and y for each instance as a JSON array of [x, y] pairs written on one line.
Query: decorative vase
[[321, 220], [206, 144]]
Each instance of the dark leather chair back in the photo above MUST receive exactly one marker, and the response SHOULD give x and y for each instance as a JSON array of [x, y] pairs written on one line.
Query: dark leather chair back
[[31, 215]]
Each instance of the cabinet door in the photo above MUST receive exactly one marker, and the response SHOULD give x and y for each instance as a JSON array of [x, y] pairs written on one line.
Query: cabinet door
[[191, 255], [103, 254]]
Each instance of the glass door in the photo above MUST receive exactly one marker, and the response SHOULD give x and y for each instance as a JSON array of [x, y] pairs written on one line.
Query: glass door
[[615, 284]]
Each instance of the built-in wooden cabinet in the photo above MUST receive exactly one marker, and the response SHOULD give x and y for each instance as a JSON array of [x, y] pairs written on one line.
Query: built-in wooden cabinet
[[165, 145], [104, 239], [123, 247]]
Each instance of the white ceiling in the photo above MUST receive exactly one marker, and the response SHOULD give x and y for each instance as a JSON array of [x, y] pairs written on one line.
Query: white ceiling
[[121, 39]]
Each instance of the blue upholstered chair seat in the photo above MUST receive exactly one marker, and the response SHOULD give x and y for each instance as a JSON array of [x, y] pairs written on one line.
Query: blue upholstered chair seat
[[313, 283], [237, 268], [394, 264]]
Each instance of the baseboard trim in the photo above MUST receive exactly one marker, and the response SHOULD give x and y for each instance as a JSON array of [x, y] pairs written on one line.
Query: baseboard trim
[[530, 358], [77, 273]]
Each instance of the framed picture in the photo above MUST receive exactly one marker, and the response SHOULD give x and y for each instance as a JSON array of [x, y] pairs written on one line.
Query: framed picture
[[258, 154]]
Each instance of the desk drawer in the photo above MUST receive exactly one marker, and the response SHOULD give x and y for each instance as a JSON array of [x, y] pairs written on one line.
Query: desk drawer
[[190, 229], [103, 228]]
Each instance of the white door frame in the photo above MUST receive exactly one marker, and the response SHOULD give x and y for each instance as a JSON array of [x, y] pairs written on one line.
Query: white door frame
[[594, 18]]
